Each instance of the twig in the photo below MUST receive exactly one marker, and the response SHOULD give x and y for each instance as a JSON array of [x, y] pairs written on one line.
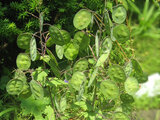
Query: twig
[[92, 53]]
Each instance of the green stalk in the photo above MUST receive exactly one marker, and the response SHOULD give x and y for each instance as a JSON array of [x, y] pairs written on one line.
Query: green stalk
[[94, 96]]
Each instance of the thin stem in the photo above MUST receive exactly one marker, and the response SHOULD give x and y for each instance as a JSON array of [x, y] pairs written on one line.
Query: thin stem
[[92, 53], [94, 97], [122, 50], [32, 15]]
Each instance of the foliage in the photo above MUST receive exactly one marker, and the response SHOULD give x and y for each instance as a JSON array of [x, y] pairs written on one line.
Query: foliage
[[88, 72]]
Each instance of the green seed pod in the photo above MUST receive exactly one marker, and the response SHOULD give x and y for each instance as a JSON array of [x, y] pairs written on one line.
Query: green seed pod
[[82, 40], [82, 19], [36, 89], [77, 79], [71, 51], [131, 85], [56, 35], [109, 89], [120, 116], [121, 33], [80, 66], [119, 14], [26, 92], [23, 40], [116, 73], [14, 87], [126, 98], [23, 61], [33, 49]]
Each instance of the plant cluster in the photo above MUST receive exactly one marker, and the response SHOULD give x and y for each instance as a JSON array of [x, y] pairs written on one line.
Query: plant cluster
[[90, 75]]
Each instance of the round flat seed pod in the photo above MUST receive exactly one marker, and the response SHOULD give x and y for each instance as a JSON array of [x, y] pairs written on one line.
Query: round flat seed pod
[[66, 36], [82, 40], [116, 73], [131, 85], [36, 89], [119, 14], [126, 98], [14, 87], [56, 35], [120, 116], [82, 19], [77, 79], [109, 89], [50, 42], [33, 49], [23, 40], [121, 33], [71, 51], [23, 61], [20, 75], [128, 68], [80, 66]]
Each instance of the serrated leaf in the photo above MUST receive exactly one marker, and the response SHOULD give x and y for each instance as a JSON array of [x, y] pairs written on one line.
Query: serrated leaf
[[59, 51], [50, 113], [63, 104], [36, 89], [33, 49]]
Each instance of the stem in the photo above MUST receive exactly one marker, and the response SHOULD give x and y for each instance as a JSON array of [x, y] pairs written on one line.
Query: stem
[[94, 97], [93, 53], [122, 50]]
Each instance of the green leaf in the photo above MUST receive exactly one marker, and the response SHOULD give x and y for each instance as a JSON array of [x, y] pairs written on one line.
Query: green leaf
[[59, 51], [33, 49], [97, 39], [66, 36], [36, 89], [119, 14], [109, 89], [93, 76], [82, 19], [102, 59], [56, 35], [107, 23], [55, 82], [134, 7], [52, 65], [63, 104], [53, 58], [40, 75], [14, 87], [126, 98], [128, 68], [120, 116], [50, 113]]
